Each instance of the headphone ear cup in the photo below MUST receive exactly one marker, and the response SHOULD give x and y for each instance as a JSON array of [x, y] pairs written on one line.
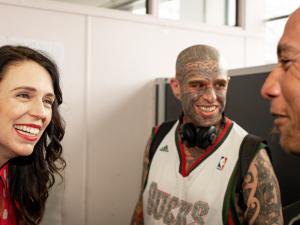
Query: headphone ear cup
[[205, 136], [188, 134]]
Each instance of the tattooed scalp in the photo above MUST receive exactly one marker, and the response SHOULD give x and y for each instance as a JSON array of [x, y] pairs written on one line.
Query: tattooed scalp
[[198, 59]]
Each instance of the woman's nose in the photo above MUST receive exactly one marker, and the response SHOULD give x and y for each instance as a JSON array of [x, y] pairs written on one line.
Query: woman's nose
[[38, 110]]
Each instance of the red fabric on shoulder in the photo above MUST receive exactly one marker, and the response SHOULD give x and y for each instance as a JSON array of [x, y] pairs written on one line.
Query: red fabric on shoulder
[[7, 216]]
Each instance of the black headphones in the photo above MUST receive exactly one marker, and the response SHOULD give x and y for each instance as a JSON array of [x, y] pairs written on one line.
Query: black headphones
[[201, 137]]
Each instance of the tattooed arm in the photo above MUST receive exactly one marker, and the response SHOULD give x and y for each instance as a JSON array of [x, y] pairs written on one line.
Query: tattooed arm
[[137, 218], [261, 193]]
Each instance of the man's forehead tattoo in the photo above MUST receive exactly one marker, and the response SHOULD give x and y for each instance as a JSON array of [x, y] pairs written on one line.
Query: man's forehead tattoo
[[206, 68], [198, 59]]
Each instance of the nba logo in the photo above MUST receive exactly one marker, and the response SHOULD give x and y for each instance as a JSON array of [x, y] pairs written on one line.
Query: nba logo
[[222, 163]]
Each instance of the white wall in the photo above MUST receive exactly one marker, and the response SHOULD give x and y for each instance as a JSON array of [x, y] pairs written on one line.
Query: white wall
[[193, 10], [108, 62]]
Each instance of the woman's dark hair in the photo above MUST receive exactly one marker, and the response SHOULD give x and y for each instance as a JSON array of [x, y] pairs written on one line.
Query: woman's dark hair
[[31, 177]]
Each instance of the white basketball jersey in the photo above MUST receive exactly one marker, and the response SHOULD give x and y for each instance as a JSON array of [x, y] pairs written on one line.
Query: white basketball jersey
[[179, 197]]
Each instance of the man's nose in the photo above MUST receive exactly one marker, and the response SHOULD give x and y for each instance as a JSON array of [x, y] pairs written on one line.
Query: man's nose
[[209, 94], [271, 87]]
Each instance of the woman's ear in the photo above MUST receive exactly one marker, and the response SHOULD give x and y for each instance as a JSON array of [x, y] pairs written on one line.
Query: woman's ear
[[174, 84]]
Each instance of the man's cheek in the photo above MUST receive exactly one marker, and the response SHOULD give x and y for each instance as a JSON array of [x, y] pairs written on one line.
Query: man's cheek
[[189, 99], [222, 101]]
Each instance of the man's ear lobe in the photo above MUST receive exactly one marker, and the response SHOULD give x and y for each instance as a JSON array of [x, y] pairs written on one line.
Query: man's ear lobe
[[174, 84]]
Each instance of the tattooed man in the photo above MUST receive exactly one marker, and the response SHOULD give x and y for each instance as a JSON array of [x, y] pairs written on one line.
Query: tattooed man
[[192, 177], [282, 86]]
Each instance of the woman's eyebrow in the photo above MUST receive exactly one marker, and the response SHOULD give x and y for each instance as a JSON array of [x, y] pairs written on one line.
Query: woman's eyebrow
[[31, 89]]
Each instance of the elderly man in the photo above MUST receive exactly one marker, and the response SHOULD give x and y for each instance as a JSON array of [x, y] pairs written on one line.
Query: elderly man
[[192, 176], [282, 86]]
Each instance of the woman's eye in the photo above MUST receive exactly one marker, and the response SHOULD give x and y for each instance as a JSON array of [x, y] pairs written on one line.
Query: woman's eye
[[48, 102], [23, 95]]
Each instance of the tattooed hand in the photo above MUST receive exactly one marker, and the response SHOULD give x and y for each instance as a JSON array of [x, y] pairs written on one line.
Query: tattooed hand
[[261, 193]]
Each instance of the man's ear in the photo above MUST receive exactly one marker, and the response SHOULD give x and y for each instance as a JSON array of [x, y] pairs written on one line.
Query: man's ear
[[174, 84]]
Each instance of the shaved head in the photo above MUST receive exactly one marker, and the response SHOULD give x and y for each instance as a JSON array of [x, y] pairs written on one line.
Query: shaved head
[[201, 59]]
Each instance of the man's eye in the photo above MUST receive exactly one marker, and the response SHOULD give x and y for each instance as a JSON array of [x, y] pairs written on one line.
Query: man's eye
[[220, 85], [285, 63], [197, 85]]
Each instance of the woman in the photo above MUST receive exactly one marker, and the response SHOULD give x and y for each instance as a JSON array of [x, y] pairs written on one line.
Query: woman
[[30, 134]]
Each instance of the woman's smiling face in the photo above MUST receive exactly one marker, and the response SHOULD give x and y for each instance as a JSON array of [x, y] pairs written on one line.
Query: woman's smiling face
[[26, 98]]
